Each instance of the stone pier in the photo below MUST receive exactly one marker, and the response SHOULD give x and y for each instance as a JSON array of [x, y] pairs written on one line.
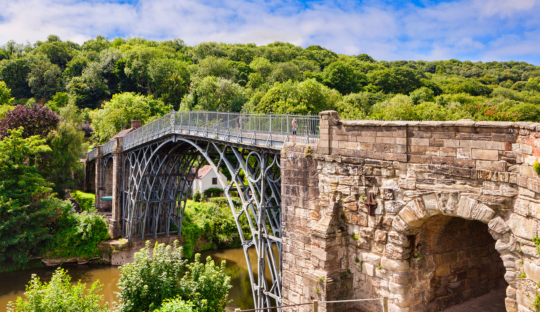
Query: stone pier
[[455, 213]]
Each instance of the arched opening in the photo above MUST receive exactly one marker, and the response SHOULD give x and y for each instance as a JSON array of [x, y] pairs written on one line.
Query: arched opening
[[459, 262]]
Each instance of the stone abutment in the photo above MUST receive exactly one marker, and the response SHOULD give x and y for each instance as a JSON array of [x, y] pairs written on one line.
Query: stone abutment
[[456, 207]]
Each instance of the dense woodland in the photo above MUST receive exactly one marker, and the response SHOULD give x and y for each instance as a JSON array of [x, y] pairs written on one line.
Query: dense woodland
[[113, 81]]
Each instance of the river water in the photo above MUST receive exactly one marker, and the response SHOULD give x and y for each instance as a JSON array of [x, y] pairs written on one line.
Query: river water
[[13, 284]]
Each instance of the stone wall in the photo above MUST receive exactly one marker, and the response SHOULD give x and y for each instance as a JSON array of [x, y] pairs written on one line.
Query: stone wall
[[426, 178]]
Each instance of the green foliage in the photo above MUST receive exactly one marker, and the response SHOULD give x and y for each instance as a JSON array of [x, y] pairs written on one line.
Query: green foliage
[[536, 241], [321, 279], [212, 221], [66, 142], [317, 290], [77, 235], [522, 275], [59, 295], [215, 94], [308, 151], [213, 192], [147, 282], [121, 110], [87, 201], [395, 80], [536, 303], [355, 237], [343, 78], [197, 196], [379, 267], [175, 305], [27, 206], [5, 94], [59, 100]]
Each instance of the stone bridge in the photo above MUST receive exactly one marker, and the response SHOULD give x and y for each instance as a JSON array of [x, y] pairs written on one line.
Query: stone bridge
[[430, 213]]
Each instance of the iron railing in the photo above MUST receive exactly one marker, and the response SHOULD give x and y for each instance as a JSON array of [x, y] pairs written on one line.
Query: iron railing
[[266, 130]]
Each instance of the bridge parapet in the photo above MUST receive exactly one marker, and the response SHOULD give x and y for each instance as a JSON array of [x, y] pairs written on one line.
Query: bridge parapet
[[269, 130], [456, 208]]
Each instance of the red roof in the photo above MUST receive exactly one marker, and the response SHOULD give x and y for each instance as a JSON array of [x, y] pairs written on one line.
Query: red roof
[[203, 171]]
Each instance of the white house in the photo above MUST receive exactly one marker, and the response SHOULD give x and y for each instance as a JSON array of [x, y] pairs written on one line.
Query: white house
[[206, 178]]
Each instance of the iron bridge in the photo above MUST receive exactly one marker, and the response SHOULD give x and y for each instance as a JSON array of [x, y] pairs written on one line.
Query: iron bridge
[[161, 159]]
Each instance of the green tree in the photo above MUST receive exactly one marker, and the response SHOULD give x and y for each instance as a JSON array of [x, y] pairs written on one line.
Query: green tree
[[13, 73], [97, 45], [283, 72], [26, 202], [343, 78], [400, 107], [146, 283], [169, 80], [422, 95], [261, 66], [58, 53], [395, 80], [59, 295], [306, 97], [44, 78], [215, 94], [122, 109], [59, 100], [5, 94], [66, 142]]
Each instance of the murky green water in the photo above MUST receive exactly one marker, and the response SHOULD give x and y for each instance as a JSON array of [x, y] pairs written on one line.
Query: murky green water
[[13, 284]]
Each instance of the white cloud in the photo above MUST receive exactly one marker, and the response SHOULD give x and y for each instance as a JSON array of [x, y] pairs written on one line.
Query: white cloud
[[465, 29]]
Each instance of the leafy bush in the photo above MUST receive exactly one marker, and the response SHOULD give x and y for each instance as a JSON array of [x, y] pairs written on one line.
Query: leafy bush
[[536, 167], [36, 120], [59, 295], [175, 305], [197, 196], [146, 283], [213, 192], [78, 235], [27, 206], [87, 201], [214, 221]]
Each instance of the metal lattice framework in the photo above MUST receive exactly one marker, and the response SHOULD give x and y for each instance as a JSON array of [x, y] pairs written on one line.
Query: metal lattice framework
[[160, 160], [158, 176]]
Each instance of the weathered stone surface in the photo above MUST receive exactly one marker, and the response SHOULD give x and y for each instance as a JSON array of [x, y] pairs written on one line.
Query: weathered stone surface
[[498, 225], [414, 213], [446, 171], [394, 265], [522, 227]]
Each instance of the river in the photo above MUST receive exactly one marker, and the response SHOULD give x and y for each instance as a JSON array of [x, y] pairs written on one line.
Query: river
[[13, 284]]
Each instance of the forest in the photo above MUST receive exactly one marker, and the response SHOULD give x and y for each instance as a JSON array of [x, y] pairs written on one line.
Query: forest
[[106, 83]]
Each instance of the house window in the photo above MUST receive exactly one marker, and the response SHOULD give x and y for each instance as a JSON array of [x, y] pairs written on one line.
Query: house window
[[214, 181]]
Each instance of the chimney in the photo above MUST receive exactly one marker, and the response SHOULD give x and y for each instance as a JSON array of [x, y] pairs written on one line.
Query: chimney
[[135, 124]]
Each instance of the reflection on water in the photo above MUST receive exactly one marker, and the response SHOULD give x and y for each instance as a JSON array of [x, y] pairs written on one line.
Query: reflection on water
[[13, 284]]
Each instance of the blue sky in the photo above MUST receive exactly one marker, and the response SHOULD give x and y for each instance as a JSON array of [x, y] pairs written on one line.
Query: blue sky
[[476, 30]]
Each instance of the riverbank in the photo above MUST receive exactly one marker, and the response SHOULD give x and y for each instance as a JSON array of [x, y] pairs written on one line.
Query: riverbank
[[13, 284]]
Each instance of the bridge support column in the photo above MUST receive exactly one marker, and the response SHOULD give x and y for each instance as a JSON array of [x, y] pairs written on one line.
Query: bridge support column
[[99, 176], [315, 238], [115, 223]]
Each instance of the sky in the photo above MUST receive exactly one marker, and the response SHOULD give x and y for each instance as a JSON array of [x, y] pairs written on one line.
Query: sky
[[476, 30]]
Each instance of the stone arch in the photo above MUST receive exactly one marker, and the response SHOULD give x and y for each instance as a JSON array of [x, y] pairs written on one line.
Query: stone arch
[[409, 221]]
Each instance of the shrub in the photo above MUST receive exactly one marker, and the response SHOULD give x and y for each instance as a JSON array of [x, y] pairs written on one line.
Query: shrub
[[197, 196], [175, 305], [87, 201], [77, 235], [214, 221], [59, 295], [36, 120], [146, 283], [26, 202], [213, 192]]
